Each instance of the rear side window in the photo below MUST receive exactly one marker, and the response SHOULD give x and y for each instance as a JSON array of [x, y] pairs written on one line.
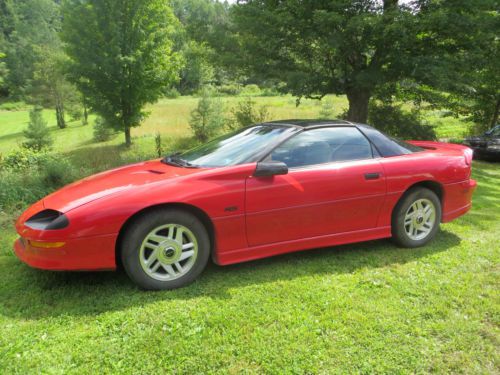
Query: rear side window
[[323, 145], [388, 146]]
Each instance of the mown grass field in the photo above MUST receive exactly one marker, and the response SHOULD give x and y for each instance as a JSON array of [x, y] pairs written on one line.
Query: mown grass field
[[361, 308]]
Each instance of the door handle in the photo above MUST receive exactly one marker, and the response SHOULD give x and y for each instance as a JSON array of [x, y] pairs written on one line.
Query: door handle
[[372, 176]]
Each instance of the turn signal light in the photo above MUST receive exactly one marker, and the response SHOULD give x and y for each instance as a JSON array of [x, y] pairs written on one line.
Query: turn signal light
[[46, 245]]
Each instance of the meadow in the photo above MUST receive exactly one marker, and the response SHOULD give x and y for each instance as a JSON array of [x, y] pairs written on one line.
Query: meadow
[[363, 308]]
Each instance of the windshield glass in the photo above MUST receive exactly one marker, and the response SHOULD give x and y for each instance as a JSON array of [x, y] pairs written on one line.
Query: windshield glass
[[495, 132], [241, 146]]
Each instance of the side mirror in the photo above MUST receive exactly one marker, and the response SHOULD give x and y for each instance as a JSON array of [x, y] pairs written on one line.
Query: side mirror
[[270, 168]]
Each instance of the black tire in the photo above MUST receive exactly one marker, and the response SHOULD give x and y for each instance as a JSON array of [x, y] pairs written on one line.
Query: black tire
[[142, 226], [399, 232]]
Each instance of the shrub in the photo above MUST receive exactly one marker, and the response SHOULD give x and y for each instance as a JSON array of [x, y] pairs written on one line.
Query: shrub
[[158, 145], [172, 93], [247, 113], [13, 106], [207, 118], [56, 173], [230, 89], [251, 90], [396, 122], [102, 131], [75, 112], [26, 176], [326, 111], [37, 134], [22, 159]]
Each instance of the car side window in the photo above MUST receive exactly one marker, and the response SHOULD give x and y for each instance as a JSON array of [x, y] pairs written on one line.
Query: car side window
[[323, 145]]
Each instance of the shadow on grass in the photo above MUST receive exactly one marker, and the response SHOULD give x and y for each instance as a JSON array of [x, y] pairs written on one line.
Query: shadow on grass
[[31, 294]]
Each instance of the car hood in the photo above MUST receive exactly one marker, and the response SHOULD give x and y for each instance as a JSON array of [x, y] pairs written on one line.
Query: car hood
[[111, 182]]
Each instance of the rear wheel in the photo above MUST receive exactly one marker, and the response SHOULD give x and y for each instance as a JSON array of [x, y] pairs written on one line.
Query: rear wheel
[[416, 218], [165, 249]]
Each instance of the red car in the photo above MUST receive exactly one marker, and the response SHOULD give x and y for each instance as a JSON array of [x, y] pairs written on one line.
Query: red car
[[264, 190]]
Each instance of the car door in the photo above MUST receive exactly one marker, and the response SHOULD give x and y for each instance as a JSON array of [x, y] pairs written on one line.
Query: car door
[[334, 185]]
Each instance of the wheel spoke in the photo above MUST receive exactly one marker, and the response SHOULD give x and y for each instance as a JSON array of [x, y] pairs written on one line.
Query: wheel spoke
[[178, 235], [157, 238], [420, 206], [152, 257], [410, 230], [150, 245], [170, 233], [170, 270], [156, 266], [188, 246], [186, 255], [179, 267]]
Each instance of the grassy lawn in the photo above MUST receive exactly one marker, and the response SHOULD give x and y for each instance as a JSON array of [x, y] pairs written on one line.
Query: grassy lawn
[[363, 308], [368, 307]]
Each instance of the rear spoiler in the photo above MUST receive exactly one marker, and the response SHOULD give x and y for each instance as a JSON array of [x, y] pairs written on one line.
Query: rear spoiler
[[429, 145]]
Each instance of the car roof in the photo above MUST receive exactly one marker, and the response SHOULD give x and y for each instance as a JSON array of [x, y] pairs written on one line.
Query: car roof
[[306, 123]]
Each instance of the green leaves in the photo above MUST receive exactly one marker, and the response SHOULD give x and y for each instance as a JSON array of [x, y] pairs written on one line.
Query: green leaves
[[122, 55]]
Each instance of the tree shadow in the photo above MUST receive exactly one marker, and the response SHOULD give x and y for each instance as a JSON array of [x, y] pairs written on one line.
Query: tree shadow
[[30, 294]]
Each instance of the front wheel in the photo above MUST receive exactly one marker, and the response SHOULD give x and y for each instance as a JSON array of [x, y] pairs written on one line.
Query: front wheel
[[416, 218], [165, 249]]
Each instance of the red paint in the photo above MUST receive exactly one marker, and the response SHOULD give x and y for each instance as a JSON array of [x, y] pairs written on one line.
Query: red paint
[[317, 206]]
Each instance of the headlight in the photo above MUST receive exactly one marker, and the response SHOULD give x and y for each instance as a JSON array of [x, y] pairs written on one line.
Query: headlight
[[47, 220]]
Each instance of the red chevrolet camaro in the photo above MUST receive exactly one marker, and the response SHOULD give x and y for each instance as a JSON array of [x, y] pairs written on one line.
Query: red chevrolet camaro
[[264, 190]]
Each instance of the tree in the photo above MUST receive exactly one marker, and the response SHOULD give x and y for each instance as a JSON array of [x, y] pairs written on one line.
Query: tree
[[207, 118], [37, 134], [373, 48], [3, 70], [50, 86], [121, 55], [24, 25], [328, 46], [206, 42]]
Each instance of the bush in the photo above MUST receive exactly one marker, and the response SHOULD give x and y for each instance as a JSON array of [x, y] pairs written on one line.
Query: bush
[[207, 118], [102, 131], [37, 134], [75, 112], [270, 91], [230, 89], [13, 106], [172, 93], [251, 90], [396, 122], [22, 159], [56, 173], [158, 145], [247, 113], [26, 176], [326, 111]]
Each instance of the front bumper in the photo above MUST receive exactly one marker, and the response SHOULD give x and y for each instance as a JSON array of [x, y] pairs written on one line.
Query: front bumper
[[78, 254]]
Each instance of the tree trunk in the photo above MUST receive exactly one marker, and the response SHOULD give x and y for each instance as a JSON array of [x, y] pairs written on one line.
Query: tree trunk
[[85, 113], [358, 105], [61, 123], [128, 139], [494, 118]]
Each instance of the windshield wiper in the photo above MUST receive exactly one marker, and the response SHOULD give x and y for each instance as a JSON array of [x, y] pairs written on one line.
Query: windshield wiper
[[177, 161]]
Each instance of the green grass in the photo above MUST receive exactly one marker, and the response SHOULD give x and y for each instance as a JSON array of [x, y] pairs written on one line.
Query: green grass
[[363, 308]]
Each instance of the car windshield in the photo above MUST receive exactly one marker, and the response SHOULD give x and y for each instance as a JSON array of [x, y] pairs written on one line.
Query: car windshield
[[495, 132], [242, 146]]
